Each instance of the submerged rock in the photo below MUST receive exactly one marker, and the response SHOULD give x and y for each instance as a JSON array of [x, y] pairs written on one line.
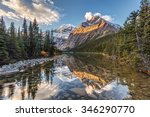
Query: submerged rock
[[79, 91]]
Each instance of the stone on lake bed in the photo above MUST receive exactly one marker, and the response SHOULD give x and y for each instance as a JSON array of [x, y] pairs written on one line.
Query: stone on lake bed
[[92, 96], [66, 95], [79, 91], [69, 98]]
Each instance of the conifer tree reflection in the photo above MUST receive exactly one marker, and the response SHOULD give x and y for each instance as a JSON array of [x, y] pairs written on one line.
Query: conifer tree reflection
[[49, 72], [33, 81], [1, 91]]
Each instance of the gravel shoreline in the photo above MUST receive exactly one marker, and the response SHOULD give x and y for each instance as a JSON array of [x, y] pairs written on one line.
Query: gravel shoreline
[[21, 66]]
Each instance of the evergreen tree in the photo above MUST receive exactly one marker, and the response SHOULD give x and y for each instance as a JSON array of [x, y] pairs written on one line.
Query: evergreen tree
[[25, 38], [40, 42], [21, 44], [144, 29], [3, 50], [35, 38], [130, 44], [14, 49], [31, 41], [147, 37], [47, 46], [52, 47], [145, 13]]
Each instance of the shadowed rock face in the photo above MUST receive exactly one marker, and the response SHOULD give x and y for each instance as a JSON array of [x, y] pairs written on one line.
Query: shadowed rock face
[[96, 27]]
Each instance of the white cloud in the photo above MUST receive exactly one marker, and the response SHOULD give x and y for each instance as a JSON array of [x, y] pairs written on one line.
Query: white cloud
[[98, 14], [107, 18], [9, 15], [43, 10], [89, 15]]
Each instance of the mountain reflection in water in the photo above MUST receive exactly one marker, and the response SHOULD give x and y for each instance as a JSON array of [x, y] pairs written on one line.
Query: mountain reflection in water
[[83, 76]]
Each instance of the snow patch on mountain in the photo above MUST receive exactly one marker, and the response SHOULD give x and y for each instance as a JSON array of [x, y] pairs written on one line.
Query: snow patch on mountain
[[61, 35]]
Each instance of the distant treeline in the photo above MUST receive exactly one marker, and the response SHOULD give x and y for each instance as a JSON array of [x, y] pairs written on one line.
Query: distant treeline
[[131, 42], [24, 43]]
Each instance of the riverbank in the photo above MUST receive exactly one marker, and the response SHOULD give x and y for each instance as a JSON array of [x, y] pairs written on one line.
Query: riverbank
[[21, 66]]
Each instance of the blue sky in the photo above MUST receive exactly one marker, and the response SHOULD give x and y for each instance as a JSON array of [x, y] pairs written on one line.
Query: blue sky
[[53, 13]]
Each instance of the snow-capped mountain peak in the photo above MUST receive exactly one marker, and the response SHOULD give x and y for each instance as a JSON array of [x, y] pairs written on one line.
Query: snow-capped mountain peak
[[90, 29], [61, 34], [65, 28]]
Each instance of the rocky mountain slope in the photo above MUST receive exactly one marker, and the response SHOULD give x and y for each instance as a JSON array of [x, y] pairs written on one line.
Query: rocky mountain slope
[[91, 29], [61, 35]]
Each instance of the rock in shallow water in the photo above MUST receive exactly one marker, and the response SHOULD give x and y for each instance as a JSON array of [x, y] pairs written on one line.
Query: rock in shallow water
[[79, 91]]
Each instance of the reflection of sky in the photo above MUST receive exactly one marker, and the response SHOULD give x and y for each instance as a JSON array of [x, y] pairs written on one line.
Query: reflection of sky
[[114, 90], [63, 80], [64, 74], [44, 92]]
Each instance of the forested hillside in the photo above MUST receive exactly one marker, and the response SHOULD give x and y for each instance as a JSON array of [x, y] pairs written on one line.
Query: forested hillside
[[24, 43], [132, 42]]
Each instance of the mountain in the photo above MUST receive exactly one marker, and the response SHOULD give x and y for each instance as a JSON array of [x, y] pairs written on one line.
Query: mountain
[[91, 29], [61, 35]]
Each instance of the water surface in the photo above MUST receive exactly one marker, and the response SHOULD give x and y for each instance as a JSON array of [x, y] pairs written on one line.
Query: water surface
[[78, 77]]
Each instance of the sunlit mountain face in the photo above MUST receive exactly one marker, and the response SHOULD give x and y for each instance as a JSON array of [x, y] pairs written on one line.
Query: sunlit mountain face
[[67, 36], [91, 29], [96, 22]]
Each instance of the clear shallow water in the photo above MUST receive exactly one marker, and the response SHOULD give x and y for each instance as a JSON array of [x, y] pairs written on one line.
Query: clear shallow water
[[83, 76]]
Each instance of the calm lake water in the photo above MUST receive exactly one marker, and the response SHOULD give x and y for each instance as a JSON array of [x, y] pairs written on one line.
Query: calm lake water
[[82, 76]]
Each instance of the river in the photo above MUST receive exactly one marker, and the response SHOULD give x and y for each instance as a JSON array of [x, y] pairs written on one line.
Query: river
[[77, 77]]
